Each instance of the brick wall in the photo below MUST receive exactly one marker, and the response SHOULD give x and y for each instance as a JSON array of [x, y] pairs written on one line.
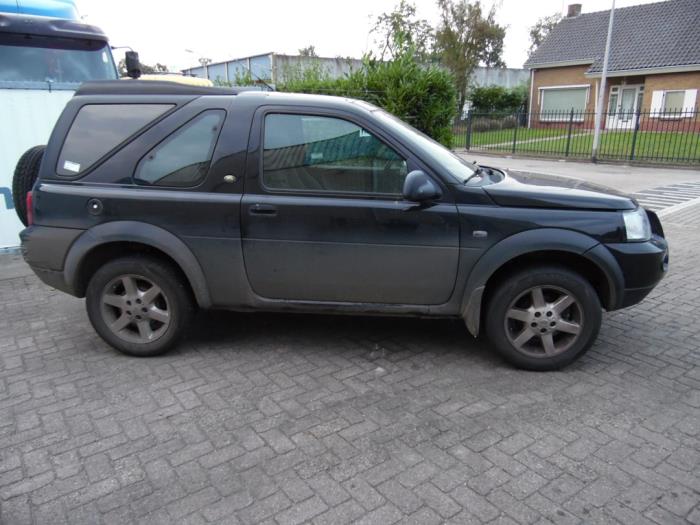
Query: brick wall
[[560, 76], [666, 82], [669, 81]]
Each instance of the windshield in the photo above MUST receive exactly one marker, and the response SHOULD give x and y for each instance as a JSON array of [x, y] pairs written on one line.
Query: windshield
[[438, 155], [33, 58]]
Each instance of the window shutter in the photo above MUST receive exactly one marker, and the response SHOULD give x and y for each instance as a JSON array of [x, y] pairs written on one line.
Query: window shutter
[[657, 101], [689, 100]]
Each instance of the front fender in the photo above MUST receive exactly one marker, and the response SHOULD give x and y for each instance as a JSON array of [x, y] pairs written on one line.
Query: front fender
[[144, 233], [542, 239]]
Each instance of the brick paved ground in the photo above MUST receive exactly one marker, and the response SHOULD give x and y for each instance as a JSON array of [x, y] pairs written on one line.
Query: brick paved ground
[[292, 419]]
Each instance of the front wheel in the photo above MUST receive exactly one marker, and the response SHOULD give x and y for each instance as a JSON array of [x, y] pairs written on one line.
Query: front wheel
[[543, 318], [139, 305]]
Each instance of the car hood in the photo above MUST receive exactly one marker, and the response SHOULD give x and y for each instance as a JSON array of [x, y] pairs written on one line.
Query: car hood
[[552, 191]]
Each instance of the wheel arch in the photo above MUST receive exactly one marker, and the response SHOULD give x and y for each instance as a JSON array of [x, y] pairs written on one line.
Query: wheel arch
[[557, 246], [108, 240]]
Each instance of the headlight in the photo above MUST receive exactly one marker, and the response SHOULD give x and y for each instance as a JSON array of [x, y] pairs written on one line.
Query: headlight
[[637, 226]]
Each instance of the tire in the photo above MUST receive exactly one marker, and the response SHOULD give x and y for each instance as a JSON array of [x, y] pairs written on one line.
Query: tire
[[563, 318], [139, 305], [26, 173]]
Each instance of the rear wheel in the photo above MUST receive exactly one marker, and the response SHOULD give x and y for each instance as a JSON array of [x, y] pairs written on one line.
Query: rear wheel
[[543, 318], [139, 305], [25, 175]]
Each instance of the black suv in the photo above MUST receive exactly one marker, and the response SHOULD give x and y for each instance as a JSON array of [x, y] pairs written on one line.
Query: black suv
[[155, 198]]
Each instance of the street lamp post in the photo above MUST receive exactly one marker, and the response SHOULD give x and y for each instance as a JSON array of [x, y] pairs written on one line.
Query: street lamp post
[[601, 91], [204, 62]]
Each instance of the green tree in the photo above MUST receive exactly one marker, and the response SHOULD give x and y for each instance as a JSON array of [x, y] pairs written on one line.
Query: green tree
[[401, 30], [423, 96], [466, 37], [541, 29], [498, 99], [308, 51]]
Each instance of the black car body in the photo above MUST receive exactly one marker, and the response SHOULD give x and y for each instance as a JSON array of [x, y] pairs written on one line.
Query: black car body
[[300, 204]]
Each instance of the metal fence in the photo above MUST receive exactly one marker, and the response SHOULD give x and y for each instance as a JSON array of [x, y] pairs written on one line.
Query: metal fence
[[666, 136]]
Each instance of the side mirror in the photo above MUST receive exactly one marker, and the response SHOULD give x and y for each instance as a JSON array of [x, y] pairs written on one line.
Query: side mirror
[[133, 66], [418, 187]]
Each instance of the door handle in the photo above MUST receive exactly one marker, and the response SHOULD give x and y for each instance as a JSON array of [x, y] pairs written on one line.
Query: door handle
[[263, 209]]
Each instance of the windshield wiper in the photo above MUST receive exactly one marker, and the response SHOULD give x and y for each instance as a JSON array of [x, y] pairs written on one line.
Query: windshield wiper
[[479, 171]]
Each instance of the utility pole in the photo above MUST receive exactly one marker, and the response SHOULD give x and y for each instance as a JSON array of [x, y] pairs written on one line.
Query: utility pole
[[601, 91]]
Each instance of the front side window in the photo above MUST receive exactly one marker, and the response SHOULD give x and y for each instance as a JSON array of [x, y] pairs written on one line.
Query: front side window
[[99, 128], [557, 103], [315, 153], [183, 158]]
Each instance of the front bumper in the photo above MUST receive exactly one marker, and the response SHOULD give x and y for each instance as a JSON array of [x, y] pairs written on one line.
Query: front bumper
[[643, 265]]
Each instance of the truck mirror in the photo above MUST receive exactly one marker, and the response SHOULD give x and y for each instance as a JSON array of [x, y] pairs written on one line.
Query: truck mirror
[[133, 66]]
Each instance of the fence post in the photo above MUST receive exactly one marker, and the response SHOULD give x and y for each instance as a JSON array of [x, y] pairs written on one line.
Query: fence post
[[515, 130], [568, 136], [468, 141], [634, 134]]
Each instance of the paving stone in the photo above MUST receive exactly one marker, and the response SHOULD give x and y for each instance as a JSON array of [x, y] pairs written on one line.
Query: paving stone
[[302, 512], [284, 419]]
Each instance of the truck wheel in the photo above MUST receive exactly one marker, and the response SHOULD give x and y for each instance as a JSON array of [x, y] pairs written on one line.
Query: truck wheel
[[26, 172], [543, 318], [139, 305]]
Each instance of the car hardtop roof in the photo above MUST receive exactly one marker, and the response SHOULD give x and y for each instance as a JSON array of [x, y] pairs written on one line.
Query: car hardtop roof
[[46, 26], [310, 99], [155, 87]]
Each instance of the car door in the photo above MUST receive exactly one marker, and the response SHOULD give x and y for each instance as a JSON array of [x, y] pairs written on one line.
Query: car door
[[323, 218]]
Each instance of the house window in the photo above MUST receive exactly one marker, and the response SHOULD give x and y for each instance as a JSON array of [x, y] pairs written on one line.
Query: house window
[[556, 103], [673, 102], [612, 105], [640, 97]]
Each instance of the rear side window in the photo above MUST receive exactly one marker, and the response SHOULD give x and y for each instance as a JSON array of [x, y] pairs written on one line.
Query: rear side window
[[183, 158], [98, 129]]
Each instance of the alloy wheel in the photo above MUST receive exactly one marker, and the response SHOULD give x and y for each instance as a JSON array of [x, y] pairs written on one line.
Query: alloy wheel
[[544, 321], [135, 309]]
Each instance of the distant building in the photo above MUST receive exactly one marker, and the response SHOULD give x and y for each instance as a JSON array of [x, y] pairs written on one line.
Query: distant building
[[506, 77], [654, 66], [274, 67]]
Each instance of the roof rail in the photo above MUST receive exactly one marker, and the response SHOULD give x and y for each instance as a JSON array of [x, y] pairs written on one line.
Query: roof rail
[[148, 87]]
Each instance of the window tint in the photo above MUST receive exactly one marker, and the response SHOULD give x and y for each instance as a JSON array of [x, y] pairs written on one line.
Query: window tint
[[183, 158], [305, 152], [99, 128]]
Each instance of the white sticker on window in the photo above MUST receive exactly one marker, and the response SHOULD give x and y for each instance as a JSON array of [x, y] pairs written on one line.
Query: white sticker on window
[[71, 166], [104, 57]]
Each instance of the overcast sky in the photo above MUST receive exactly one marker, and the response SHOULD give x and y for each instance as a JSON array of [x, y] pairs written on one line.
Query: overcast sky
[[161, 30]]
